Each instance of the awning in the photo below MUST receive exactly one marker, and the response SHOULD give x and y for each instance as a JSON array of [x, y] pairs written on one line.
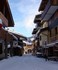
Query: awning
[[54, 24]]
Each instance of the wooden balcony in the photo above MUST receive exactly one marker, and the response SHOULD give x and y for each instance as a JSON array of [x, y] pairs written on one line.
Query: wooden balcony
[[54, 23], [54, 38], [49, 10], [34, 31], [37, 19]]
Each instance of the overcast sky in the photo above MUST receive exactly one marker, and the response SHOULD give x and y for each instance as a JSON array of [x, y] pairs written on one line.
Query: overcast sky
[[23, 12]]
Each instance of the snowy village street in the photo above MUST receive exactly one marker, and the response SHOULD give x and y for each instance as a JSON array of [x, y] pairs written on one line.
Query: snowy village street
[[27, 62]]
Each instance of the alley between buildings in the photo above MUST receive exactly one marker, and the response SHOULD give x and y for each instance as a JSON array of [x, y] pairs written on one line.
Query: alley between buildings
[[25, 30]]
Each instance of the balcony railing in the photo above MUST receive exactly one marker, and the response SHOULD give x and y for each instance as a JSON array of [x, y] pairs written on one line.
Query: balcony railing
[[54, 38], [46, 9]]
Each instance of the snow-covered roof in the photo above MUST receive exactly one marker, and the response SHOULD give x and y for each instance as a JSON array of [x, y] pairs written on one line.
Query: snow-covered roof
[[17, 33], [19, 46], [28, 43], [11, 34]]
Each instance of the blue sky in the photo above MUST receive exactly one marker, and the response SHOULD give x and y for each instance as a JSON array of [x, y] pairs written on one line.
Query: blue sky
[[23, 12]]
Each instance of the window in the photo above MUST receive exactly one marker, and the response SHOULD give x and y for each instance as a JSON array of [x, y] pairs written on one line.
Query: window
[[56, 30], [40, 38], [50, 33]]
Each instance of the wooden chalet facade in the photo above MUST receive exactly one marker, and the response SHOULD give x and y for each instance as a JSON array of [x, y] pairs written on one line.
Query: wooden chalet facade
[[5, 13], [36, 42], [7, 21], [21, 44], [48, 33], [28, 48], [50, 16]]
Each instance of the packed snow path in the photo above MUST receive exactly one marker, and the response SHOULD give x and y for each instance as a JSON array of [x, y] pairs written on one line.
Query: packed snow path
[[27, 62]]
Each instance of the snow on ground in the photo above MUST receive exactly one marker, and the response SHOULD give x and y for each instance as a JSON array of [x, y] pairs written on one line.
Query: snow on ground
[[27, 62]]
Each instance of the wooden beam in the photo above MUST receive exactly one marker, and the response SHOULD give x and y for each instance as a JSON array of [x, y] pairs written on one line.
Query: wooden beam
[[4, 20]]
